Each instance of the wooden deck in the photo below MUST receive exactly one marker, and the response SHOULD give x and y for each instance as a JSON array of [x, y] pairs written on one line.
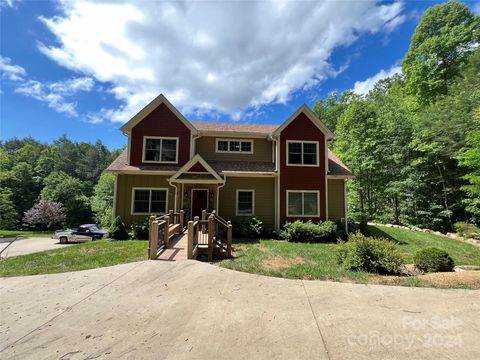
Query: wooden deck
[[177, 249]]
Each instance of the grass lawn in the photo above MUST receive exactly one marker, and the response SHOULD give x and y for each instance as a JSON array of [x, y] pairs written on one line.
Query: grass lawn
[[14, 233], [317, 261], [82, 256]]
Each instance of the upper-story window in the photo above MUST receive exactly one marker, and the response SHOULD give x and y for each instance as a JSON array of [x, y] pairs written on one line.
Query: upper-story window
[[235, 146], [302, 153], [160, 149]]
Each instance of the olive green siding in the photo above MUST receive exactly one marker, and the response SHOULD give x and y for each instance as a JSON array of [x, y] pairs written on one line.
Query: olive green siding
[[264, 206], [336, 200], [125, 183], [206, 147]]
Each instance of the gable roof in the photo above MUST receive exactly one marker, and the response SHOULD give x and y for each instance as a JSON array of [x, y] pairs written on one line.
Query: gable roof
[[160, 99], [196, 159], [311, 116]]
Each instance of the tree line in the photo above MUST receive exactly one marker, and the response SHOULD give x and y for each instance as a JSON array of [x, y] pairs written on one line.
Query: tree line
[[413, 142], [65, 181]]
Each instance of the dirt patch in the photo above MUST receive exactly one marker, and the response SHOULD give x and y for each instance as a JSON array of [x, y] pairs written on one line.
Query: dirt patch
[[468, 278], [279, 262]]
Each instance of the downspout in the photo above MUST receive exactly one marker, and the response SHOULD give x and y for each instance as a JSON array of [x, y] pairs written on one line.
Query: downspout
[[277, 187], [193, 148], [218, 193], [176, 194]]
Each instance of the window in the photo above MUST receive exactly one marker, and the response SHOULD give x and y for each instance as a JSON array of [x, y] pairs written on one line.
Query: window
[[149, 201], [302, 153], [158, 149], [235, 146], [302, 203], [245, 202]]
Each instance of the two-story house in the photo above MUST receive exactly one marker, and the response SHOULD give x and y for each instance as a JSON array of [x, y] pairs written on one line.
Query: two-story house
[[275, 172]]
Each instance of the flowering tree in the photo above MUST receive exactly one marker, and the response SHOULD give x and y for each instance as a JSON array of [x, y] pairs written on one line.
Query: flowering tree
[[45, 212]]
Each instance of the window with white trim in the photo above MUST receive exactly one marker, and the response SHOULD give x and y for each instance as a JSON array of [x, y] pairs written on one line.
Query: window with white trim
[[160, 149], [235, 146], [302, 153], [302, 203], [245, 202], [149, 201]]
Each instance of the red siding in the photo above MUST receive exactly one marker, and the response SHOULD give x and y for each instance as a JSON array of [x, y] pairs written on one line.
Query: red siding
[[197, 167], [299, 177], [160, 122]]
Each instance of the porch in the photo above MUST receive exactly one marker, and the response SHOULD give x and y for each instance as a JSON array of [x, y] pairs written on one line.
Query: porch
[[208, 235]]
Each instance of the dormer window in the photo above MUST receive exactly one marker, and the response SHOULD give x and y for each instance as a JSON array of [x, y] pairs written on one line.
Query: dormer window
[[302, 153], [160, 150]]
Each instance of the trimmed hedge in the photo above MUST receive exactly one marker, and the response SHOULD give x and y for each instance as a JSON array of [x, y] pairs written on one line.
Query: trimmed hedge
[[251, 228], [299, 231], [433, 260], [140, 230], [362, 253]]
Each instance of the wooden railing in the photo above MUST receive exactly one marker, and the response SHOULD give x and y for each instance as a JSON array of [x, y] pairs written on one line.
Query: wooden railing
[[162, 228], [212, 232]]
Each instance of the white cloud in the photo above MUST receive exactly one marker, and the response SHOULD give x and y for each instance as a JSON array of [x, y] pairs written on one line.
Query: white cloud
[[228, 57], [56, 94], [10, 71], [8, 3], [363, 87]]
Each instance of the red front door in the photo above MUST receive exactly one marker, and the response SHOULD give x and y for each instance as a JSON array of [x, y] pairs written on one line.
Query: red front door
[[199, 201]]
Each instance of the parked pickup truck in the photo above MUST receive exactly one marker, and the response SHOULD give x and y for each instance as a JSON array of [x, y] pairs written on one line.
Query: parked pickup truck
[[83, 232]]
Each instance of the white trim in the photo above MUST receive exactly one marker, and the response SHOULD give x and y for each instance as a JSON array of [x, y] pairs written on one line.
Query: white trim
[[253, 202], [129, 146], [161, 138], [190, 163], [311, 116], [160, 99], [149, 201], [317, 160], [191, 198], [115, 188], [233, 140], [303, 192], [248, 174], [277, 203]]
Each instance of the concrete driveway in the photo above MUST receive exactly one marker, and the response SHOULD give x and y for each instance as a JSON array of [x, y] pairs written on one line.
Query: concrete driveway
[[193, 310], [25, 246]]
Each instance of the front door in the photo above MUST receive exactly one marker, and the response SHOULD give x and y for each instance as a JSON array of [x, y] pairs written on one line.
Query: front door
[[199, 201]]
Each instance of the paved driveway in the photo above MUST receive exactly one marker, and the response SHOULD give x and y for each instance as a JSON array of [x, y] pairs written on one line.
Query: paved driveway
[[25, 246], [193, 310]]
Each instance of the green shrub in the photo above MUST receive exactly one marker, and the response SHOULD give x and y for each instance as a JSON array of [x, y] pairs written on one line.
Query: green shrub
[[117, 230], [433, 260], [140, 230], [467, 230], [300, 231], [362, 253], [251, 228]]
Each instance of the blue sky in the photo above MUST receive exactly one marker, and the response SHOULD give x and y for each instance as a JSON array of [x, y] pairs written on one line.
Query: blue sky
[[82, 68]]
